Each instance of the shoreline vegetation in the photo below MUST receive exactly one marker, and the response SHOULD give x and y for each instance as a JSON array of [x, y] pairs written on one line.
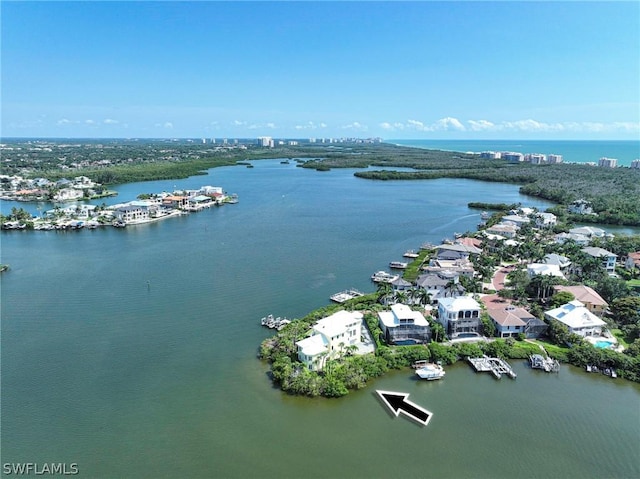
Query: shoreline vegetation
[[612, 192]]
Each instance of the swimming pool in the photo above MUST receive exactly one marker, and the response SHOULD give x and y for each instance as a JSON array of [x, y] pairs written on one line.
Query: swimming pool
[[603, 344]]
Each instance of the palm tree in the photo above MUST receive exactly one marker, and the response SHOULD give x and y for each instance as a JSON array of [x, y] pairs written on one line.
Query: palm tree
[[414, 294], [424, 297], [400, 297], [384, 291]]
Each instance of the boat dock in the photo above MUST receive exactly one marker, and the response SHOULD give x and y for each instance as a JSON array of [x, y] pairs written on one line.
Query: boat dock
[[495, 366], [346, 295], [274, 323], [547, 364]]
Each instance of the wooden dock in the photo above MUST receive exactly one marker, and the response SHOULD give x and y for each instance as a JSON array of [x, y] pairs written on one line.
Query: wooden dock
[[495, 366]]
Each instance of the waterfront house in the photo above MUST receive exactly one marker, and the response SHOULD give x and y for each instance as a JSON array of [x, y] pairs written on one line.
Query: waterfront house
[[504, 230], [130, 213], [441, 284], [589, 231], [577, 318], [510, 320], [462, 267], [581, 207], [516, 220], [587, 296], [579, 239], [68, 194], [607, 258], [456, 251], [329, 339], [402, 325], [175, 201], [459, 315], [545, 220]]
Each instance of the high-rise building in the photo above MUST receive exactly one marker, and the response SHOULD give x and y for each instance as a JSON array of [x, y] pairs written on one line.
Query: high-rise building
[[635, 164], [608, 162], [554, 158]]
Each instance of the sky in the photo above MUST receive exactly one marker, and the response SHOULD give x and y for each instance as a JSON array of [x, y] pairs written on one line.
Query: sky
[[304, 69]]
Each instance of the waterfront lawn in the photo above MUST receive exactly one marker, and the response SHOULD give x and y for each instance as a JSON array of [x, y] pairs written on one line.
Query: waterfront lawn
[[413, 269], [621, 337]]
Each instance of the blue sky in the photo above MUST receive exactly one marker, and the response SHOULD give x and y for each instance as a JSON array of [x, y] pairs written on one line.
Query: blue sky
[[433, 70]]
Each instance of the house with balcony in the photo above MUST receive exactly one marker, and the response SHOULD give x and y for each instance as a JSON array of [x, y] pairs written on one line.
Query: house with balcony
[[330, 337], [441, 284], [459, 315], [402, 325], [578, 319], [545, 220], [510, 320], [607, 258]]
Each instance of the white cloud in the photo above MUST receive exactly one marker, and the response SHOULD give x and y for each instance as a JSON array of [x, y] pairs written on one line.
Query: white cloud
[[528, 125], [64, 121], [168, 124], [239, 123], [481, 125], [257, 126], [310, 126], [357, 126], [416, 125], [448, 123], [90, 122], [110, 121]]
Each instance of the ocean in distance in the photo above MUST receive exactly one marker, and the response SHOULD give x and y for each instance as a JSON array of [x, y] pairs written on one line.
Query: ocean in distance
[[573, 151], [132, 352]]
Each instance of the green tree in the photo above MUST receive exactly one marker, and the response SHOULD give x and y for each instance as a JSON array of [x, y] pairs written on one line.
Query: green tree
[[560, 298]]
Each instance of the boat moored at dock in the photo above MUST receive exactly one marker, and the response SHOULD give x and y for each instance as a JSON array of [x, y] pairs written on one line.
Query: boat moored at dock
[[429, 371], [346, 295], [383, 277], [274, 323], [398, 265], [547, 364]]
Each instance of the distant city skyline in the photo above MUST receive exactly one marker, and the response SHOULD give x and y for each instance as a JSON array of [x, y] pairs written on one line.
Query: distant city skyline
[[395, 70]]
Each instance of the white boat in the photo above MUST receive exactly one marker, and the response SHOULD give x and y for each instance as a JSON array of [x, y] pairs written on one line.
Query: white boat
[[383, 277], [410, 254], [485, 215], [266, 320], [398, 265], [430, 372]]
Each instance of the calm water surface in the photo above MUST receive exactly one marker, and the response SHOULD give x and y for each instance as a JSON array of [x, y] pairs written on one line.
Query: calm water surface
[[133, 352]]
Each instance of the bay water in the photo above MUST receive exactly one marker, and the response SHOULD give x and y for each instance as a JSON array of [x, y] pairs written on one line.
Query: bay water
[[133, 352]]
